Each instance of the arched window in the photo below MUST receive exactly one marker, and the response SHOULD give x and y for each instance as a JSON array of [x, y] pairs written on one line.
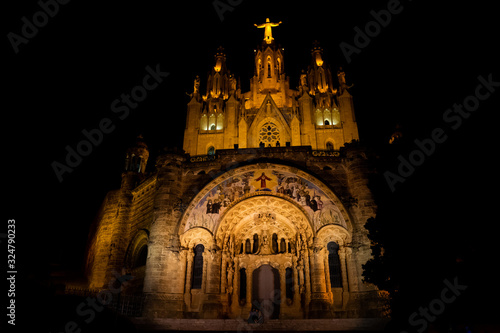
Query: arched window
[[329, 145], [141, 257], [211, 151], [335, 116], [133, 164], [255, 243], [248, 246], [198, 266], [274, 243], [327, 116], [139, 164], [319, 117], [211, 122], [220, 122], [282, 246], [334, 265], [269, 67], [204, 123]]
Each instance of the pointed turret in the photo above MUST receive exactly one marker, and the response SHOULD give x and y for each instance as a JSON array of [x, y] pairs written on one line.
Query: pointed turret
[[218, 78], [319, 74], [348, 117], [212, 120]]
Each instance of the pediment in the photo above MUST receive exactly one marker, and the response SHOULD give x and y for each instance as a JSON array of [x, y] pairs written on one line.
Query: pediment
[[269, 110]]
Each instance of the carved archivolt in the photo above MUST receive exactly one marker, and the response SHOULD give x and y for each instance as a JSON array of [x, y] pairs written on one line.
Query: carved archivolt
[[332, 233], [316, 203], [264, 215], [195, 236]]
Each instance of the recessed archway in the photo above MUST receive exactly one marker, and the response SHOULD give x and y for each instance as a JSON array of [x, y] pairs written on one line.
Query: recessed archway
[[266, 292], [264, 216]]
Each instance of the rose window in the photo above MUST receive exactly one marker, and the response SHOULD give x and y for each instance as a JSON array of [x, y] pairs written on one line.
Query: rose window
[[269, 134]]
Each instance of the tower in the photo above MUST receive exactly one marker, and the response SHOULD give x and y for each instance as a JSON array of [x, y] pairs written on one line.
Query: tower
[[212, 117], [109, 247], [326, 105], [136, 159]]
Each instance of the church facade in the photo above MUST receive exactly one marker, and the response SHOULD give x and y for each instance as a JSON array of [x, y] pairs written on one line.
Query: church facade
[[265, 207]]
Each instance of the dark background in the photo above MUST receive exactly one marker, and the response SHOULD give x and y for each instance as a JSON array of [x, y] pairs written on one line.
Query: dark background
[[428, 58]]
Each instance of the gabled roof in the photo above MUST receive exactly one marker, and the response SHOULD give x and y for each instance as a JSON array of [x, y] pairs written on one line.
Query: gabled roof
[[273, 111]]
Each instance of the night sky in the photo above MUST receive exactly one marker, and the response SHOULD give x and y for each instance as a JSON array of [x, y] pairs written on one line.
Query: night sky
[[428, 57]]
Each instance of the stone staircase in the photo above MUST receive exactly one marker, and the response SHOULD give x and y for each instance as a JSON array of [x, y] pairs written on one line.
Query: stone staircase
[[240, 325]]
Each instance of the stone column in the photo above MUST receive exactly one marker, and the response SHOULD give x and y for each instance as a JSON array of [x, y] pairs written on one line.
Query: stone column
[[282, 272], [351, 270], [343, 268], [296, 294], [236, 287], [307, 279], [327, 272], [204, 280], [317, 273], [213, 303], [223, 273], [188, 277], [319, 307], [248, 305]]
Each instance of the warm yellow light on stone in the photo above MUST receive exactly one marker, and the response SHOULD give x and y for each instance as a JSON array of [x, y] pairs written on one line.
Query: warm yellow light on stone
[[319, 60], [218, 65], [193, 232], [268, 32]]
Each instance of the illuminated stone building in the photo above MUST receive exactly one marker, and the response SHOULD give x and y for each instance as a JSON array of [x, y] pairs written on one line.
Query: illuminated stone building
[[266, 205]]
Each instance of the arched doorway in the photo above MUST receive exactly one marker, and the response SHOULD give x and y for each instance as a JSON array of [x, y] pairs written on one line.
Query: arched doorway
[[266, 291]]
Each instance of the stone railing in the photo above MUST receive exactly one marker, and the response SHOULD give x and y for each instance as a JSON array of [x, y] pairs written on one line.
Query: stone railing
[[328, 153], [264, 151], [202, 158]]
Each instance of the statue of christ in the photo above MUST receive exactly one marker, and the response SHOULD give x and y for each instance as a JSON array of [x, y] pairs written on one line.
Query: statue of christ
[[268, 32]]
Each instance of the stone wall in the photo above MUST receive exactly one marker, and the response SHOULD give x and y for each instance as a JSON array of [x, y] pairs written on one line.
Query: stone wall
[[159, 203]]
